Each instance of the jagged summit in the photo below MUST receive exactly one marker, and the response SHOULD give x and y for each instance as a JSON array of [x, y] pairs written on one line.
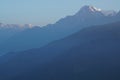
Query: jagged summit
[[90, 8], [87, 8], [89, 11]]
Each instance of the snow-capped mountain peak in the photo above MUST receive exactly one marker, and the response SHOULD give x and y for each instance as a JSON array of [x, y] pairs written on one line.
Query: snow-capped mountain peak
[[90, 9]]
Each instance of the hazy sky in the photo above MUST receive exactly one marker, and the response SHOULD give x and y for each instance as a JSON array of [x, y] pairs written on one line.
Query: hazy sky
[[42, 12]]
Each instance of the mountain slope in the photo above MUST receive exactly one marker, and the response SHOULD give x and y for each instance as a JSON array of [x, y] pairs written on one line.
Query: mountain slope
[[9, 30], [6, 33], [91, 53], [35, 38]]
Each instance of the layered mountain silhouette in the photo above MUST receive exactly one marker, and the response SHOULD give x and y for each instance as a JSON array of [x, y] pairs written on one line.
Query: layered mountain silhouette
[[89, 54], [38, 37]]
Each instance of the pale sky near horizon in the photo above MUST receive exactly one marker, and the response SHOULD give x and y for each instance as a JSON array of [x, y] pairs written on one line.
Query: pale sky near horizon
[[42, 12]]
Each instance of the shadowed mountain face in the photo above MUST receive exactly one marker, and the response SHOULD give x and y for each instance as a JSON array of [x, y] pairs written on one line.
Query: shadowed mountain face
[[90, 54], [38, 37]]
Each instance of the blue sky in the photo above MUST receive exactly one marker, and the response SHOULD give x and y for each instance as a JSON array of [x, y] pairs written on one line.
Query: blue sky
[[42, 12]]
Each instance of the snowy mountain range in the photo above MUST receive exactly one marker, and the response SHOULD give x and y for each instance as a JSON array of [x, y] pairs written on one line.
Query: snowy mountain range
[[83, 11], [37, 37]]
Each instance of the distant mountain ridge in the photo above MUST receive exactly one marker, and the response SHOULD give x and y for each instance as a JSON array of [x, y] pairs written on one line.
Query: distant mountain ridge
[[91, 53], [15, 26], [38, 37]]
